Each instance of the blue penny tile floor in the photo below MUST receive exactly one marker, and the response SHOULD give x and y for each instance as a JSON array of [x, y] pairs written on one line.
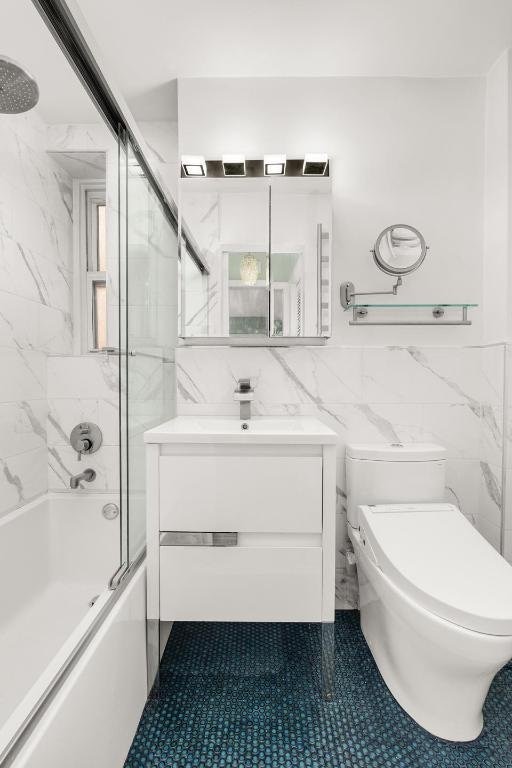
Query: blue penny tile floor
[[247, 696]]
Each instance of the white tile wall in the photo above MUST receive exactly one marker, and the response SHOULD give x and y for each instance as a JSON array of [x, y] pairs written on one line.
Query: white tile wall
[[46, 389], [450, 395], [83, 388], [35, 299], [508, 455], [492, 459]]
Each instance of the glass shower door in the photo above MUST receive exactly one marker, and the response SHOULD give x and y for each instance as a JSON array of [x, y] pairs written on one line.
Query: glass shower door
[[148, 327]]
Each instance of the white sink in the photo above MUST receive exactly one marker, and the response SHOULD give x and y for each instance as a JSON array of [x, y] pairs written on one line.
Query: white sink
[[209, 429]]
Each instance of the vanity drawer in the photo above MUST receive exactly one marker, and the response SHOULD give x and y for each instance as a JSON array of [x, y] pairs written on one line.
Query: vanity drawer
[[240, 584], [241, 493]]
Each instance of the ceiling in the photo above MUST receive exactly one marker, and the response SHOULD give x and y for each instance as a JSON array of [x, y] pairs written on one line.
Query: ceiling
[[25, 38], [146, 49]]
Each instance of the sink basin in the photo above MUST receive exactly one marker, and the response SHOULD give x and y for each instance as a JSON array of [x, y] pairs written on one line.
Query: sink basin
[[209, 429]]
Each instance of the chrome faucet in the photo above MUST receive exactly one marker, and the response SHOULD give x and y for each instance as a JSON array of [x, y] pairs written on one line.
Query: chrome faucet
[[244, 393], [88, 475]]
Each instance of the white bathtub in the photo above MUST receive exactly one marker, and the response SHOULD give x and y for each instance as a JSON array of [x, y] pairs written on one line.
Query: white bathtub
[[57, 555]]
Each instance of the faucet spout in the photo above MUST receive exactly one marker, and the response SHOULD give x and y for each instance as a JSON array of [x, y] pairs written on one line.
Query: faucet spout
[[245, 410], [244, 393], [88, 475]]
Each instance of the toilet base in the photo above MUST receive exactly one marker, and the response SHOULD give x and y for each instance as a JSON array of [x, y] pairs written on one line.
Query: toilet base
[[438, 672]]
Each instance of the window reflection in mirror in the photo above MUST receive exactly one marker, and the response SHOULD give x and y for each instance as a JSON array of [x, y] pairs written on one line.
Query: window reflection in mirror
[[247, 304]]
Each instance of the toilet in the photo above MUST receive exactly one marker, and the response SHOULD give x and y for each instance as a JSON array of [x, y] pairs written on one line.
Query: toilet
[[435, 596]]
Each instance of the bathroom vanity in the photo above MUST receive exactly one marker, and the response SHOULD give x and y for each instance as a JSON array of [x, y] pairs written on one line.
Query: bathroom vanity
[[241, 520]]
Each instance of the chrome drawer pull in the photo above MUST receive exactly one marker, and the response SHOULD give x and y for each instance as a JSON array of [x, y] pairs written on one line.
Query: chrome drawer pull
[[198, 539]]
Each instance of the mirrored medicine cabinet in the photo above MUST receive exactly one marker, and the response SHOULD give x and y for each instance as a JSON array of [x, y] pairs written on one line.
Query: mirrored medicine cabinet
[[255, 260]]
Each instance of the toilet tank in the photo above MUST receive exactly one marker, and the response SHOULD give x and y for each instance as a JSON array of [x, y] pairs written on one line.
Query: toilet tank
[[393, 473]]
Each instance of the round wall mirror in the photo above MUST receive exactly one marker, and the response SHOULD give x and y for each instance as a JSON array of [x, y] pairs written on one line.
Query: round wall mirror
[[400, 249]]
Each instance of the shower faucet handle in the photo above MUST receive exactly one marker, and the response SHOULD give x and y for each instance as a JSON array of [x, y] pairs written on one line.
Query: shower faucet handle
[[84, 445], [85, 438]]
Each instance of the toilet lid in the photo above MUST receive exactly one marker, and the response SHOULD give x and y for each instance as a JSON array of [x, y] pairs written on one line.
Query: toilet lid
[[434, 554]]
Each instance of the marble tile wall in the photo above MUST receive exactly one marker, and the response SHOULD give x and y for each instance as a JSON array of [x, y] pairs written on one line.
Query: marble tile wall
[[492, 446], [434, 394], [47, 388], [86, 387], [507, 463], [35, 299], [83, 388]]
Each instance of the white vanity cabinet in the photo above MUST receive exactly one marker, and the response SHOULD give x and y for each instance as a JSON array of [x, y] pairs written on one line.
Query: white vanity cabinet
[[241, 520]]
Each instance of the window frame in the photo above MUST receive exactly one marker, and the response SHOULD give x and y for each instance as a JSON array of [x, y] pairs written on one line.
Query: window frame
[[89, 195], [94, 199]]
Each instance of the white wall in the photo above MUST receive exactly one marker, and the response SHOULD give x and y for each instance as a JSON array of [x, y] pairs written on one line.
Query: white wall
[[496, 273], [408, 150]]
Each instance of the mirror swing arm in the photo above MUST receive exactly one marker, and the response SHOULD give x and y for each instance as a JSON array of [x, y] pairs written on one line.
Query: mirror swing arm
[[348, 292]]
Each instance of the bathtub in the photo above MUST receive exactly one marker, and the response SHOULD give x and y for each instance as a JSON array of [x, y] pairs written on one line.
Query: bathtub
[[57, 555]]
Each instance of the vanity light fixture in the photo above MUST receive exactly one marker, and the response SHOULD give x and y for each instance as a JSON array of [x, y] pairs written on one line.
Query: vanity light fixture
[[193, 165], [315, 164], [233, 165], [274, 165]]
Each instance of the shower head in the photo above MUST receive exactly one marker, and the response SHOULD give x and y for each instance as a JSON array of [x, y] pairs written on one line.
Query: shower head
[[19, 91]]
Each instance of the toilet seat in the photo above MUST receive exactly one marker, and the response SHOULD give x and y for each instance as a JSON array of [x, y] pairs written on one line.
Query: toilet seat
[[435, 556]]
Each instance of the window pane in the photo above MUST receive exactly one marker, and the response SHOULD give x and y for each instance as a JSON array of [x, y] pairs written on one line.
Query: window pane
[[100, 313], [101, 211]]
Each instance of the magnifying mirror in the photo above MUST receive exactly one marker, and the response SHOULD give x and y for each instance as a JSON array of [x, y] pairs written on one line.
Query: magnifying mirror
[[400, 249]]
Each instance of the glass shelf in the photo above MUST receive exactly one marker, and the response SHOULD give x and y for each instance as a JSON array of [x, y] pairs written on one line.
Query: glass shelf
[[412, 306], [360, 314]]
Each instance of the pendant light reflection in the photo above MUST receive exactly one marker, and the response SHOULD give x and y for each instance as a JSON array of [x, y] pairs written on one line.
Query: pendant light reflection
[[249, 269]]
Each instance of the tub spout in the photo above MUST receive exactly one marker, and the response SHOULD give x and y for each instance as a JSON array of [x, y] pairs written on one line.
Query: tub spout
[[88, 475]]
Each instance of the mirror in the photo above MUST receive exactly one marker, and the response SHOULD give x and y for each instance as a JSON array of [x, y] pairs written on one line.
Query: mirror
[[400, 249], [255, 258]]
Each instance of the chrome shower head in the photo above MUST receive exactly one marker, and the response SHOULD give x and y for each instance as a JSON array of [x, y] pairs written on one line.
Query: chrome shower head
[[19, 91]]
